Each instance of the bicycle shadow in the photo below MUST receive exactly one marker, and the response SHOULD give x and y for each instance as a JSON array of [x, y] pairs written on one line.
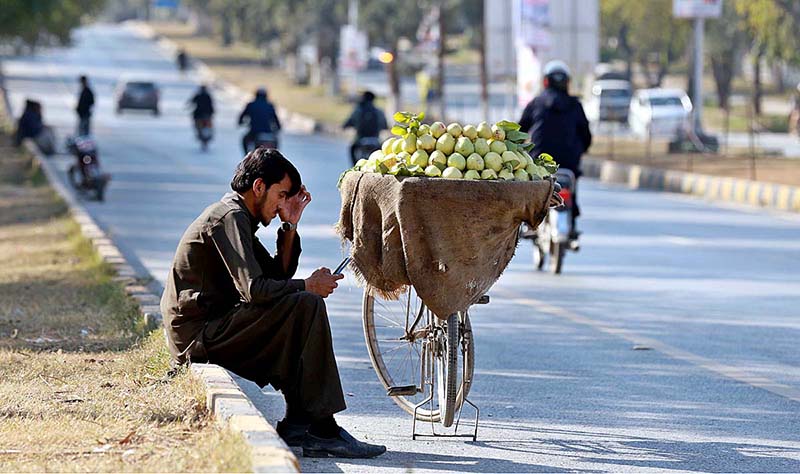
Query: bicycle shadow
[[623, 452], [411, 461]]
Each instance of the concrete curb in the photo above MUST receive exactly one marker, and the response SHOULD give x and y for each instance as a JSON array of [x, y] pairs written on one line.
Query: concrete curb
[[714, 188], [231, 407], [224, 398]]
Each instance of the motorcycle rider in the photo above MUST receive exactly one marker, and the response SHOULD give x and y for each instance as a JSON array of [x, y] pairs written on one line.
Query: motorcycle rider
[[182, 59], [558, 125], [203, 108], [367, 120], [262, 118]]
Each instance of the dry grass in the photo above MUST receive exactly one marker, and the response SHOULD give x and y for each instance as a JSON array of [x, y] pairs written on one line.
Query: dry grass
[[736, 162], [82, 386], [107, 411], [240, 64]]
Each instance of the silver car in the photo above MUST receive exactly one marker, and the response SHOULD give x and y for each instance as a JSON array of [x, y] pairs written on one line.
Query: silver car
[[136, 94]]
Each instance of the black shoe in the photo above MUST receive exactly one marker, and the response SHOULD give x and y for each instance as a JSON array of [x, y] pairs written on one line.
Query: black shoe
[[292, 434], [342, 446]]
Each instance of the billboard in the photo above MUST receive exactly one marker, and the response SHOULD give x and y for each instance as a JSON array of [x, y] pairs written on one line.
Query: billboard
[[696, 8]]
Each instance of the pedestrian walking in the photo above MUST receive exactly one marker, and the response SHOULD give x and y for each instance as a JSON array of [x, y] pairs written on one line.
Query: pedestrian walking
[[84, 108]]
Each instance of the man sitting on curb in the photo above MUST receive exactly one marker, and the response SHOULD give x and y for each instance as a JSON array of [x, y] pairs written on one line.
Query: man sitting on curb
[[227, 301]]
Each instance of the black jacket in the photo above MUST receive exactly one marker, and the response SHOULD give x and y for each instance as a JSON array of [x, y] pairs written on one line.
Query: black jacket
[[367, 119], [203, 105], [85, 103], [558, 126], [262, 116]]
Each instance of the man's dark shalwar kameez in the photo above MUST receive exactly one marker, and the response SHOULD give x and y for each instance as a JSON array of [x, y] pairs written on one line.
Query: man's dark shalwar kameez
[[229, 302]]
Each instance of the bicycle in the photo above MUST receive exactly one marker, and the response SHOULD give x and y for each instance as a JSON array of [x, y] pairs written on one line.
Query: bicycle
[[415, 354]]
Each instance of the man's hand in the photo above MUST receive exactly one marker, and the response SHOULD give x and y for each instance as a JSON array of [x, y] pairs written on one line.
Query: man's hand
[[322, 283], [292, 210]]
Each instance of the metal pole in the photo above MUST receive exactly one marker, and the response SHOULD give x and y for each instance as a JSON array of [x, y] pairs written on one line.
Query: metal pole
[[697, 100]]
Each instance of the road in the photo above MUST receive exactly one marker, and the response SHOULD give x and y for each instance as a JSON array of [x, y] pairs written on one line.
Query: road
[[669, 344]]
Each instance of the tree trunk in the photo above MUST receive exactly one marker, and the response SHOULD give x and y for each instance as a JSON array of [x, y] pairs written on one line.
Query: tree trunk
[[757, 89], [394, 80], [722, 68], [777, 77], [483, 71], [227, 33]]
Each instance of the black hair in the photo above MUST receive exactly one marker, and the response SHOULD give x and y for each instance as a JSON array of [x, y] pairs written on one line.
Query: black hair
[[83, 79], [269, 165], [368, 96]]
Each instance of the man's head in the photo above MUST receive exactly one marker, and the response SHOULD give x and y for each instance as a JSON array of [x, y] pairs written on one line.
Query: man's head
[[84, 80], [265, 178], [556, 75], [368, 97], [261, 93]]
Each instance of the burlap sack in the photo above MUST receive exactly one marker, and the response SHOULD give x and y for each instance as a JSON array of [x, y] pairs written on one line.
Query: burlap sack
[[451, 239]]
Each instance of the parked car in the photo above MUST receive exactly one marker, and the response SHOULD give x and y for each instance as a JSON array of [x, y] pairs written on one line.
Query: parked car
[[609, 100], [660, 112], [137, 94]]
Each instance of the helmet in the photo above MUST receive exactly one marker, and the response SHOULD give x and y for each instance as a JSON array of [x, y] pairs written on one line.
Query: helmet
[[556, 66], [557, 74]]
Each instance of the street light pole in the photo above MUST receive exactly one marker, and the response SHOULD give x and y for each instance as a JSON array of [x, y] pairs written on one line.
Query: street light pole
[[697, 100]]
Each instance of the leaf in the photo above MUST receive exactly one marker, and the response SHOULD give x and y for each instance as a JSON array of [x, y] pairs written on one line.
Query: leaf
[[516, 136], [527, 147], [401, 117], [421, 116], [507, 125], [399, 130], [511, 146]]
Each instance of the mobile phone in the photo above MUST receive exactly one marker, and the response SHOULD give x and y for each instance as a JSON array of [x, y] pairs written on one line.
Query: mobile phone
[[342, 266]]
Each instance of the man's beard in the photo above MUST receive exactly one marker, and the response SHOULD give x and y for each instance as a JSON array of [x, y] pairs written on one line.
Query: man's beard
[[260, 205]]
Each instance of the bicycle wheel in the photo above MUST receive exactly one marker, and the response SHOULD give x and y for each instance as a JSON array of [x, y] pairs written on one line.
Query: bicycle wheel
[[446, 361], [398, 349]]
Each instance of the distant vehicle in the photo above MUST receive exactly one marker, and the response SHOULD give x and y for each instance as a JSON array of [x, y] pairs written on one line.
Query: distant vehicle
[[609, 101], [85, 174], [556, 234], [137, 94], [659, 112], [605, 71]]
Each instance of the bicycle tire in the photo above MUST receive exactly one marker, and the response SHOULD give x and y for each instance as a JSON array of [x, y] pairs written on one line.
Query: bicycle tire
[[556, 257], [446, 356], [388, 376]]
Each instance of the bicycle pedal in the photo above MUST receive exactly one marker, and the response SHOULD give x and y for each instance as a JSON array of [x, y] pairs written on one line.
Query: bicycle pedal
[[483, 300], [402, 390]]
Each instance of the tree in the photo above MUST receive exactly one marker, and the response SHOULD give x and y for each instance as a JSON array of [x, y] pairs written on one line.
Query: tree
[[774, 26], [44, 22], [726, 39], [615, 26], [644, 32], [386, 23]]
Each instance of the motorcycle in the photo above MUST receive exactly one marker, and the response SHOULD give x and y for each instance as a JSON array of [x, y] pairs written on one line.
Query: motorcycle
[[262, 140], [204, 129], [85, 174], [364, 147], [555, 235]]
